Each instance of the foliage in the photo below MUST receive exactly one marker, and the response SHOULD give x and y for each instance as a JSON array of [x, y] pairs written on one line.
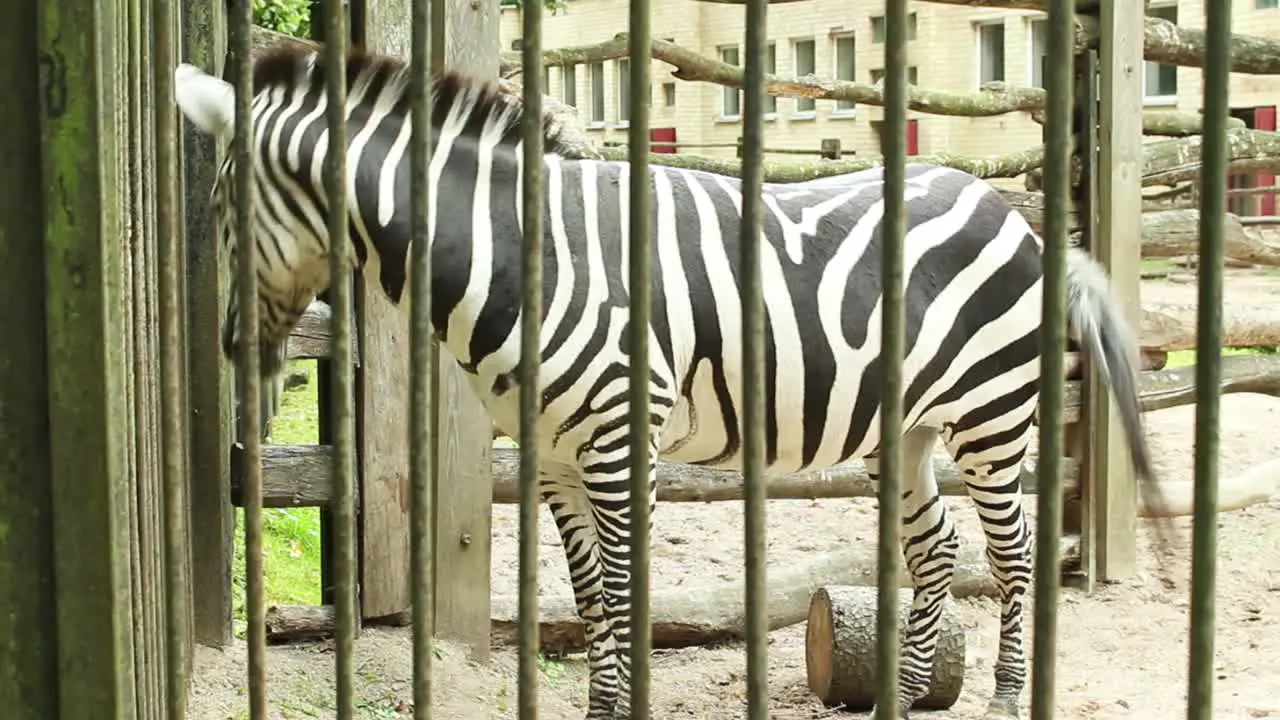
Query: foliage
[[291, 17]]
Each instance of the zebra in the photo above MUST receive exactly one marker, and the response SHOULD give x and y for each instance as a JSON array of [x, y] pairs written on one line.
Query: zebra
[[973, 288]]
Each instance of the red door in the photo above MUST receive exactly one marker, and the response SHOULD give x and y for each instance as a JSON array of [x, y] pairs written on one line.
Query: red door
[[662, 135], [1264, 118], [913, 137]]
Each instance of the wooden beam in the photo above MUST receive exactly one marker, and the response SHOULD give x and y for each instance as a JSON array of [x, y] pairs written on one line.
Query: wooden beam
[[299, 475], [1110, 490]]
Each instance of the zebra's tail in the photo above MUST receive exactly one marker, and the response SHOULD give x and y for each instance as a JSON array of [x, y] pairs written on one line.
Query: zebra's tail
[[1112, 347]]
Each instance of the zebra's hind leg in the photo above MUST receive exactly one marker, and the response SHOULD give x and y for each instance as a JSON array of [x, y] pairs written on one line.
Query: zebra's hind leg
[[929, 546], [990, 454], [608, 480], [567, 499]]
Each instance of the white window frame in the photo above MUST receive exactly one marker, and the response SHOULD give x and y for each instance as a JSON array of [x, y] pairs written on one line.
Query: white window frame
[[727, 93], [595, 78], [622, 90], [978, 45], [569, 85], [851, 109], [807, 110], [1033, 57], [1163, 100], [771, 68]]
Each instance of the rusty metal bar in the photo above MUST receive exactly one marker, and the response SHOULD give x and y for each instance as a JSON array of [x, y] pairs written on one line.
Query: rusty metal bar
[[422, 374], [248, 373], [1213, 201], [530, 355], [753, 339], [892, 347], [640, 265], [1059, 84], [343, 368]]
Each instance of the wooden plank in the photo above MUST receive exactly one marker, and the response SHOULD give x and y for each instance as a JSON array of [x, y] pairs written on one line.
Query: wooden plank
[[1110, 495], [29, 654], [310, 339], [79, 46], [381, 396], [464, 499], [210, 393]]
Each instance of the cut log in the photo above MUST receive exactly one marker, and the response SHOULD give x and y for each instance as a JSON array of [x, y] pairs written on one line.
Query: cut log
[[840, 650], [1254, 486], [299, 623], [714, 613], [1172, 326]]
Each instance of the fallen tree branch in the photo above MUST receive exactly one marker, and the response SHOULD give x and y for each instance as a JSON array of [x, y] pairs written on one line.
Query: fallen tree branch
[[1172, 326], [1173, 233], [709, 613]]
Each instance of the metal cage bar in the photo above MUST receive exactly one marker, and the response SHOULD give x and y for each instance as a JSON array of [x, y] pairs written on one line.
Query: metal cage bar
[[341, 298], [753, 356], [1213, 201], [892, 346], [530, 355], [1059, 84], [240, 18], [422, 384]]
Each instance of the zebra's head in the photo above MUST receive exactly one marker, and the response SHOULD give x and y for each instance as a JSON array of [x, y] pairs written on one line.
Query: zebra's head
[[285, 232]]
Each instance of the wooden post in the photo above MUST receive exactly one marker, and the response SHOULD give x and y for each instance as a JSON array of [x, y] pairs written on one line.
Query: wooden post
[[212, 401], [1110, 497], [464, 501], [28, 613]]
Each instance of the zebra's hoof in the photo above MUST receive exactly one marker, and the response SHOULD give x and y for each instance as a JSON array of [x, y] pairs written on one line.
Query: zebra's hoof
[[1002, 709]]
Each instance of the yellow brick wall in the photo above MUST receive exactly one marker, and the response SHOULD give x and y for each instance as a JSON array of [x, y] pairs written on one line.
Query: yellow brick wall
[[944, 54]]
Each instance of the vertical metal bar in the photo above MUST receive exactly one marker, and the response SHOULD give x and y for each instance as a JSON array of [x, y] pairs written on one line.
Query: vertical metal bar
[[172, 411], [639, 48], [1059, 82], [892, 346], [422, 369], [753, 339], [343, 417], [1213, 174], [530, 355], [249, 362]]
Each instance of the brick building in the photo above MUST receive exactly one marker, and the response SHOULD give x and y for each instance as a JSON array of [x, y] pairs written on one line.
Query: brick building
[[950, 48]]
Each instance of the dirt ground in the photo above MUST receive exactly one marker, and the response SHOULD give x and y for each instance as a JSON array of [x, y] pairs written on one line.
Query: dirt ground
[[1122, 651]]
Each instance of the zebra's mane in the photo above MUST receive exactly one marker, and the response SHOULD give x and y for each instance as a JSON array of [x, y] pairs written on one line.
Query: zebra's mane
[[452, 91]]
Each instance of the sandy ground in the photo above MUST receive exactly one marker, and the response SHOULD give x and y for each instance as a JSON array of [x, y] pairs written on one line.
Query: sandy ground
[[1122, 651]]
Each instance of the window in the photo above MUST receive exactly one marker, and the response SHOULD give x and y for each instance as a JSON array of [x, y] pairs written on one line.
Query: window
[[1039, 51], [1160, 82], [669, 94], [1266, 4], [771, 68], [879, 28], [912, 75], [624, 90], [845, 68], [596, 71], [803, 53], [730, 98], [569, 84], [991, 52]]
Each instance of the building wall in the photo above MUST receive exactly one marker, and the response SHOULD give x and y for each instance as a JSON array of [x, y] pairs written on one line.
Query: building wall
[[946, 55]]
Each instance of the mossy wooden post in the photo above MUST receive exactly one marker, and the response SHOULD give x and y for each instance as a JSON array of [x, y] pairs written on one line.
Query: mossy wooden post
[[79, 57], [464, 502], [1110, 494], [210, 393], [29, 655]]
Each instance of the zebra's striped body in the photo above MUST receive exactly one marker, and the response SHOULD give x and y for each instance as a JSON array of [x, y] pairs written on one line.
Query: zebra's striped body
[[973, 296]]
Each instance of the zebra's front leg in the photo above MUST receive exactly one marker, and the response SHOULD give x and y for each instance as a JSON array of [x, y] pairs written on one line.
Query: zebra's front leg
[[608, 481], [574, 518], [929, 546]]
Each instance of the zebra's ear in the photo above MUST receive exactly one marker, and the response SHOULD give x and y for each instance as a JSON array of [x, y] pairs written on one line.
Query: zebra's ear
[[207, 101]]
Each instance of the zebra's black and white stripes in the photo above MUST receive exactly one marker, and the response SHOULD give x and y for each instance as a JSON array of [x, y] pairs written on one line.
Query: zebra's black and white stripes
[[973, 310]]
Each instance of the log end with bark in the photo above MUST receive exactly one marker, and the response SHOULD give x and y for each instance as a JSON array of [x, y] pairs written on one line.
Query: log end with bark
[[840, 649]]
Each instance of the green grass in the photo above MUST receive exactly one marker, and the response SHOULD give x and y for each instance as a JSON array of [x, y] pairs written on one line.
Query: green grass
[[290, 536]]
